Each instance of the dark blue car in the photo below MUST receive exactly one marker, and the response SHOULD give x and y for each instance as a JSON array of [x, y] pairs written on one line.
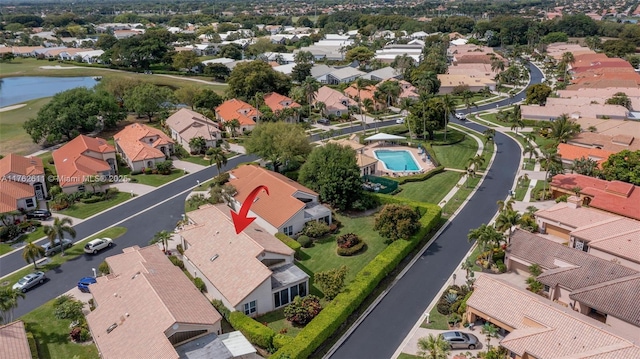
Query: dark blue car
[[84, 283]]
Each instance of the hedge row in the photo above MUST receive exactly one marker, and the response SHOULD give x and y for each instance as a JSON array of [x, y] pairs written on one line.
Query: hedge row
[[33, 347], [256, 333], [290, 242], [337, 312], [280, 340], [421, 177]]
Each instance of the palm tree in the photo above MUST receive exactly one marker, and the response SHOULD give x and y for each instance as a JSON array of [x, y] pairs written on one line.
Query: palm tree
[[428, 82], [531, 151], [568, 59], [58, 229], [405, 106], [530, 137], [552, 165], [449, 106], [8, 302], [360, 85], [310, 88], [162, 237], [466, 100], [390, 90], [505, 205], [489, 135], [515, 118], [217, 156], [467, 266], [321, 106], [563, 129], [491, 331], [433, 347], [476, 162], [488, 238], [507, 220], [32, 252], [497, 65]]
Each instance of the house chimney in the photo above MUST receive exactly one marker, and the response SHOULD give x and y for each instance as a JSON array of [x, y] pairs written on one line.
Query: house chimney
[[573, 202]]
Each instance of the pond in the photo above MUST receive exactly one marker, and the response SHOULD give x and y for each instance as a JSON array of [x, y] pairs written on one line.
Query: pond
[[15, 90]]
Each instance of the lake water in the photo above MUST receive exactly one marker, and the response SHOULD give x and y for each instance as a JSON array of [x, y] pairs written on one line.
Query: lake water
[[15, 90]]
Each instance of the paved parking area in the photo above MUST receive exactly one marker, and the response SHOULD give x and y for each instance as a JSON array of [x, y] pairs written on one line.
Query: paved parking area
[[412, 345]]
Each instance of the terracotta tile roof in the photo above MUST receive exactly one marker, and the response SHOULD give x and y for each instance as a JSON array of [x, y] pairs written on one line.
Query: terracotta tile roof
[[615, 196], [190, 124], [235, 270], [73, 163], [11, 192], [20, 165], [456, 80], [574, 111], [235, 109], [365, 93], [570, 152], [619, 236], [277, 102], [281, 204], [333, 99], [129, 139], [564, 266], [573, 217], [145, 295], [617, 298], [13, 341], [555, 332], [607, 142]]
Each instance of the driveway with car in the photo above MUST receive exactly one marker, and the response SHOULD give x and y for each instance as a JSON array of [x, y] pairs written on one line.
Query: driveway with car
[[412, 344]]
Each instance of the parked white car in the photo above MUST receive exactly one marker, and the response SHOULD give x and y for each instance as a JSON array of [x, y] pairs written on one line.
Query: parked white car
[[460, 116], [400, 120], [98, 244]]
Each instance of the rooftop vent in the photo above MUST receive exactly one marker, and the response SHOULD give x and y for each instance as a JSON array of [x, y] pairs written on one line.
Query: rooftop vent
[[214, 257], [135, 275], [112, 327]]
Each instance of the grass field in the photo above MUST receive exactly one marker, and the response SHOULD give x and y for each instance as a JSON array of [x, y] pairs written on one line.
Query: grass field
[[52, 335], [86, 210], [156, 180], [521, 190], [13, 138], [432, 190], [198, 160], [408, 356], [278, 322], [463, 192], [436, 321], [456, 155], [37, 234]]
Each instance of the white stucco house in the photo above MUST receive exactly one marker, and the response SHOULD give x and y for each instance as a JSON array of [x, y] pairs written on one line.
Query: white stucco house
[[142, 146], [23, 182], [186, 124]]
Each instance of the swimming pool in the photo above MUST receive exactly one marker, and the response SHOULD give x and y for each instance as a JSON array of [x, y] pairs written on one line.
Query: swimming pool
[[399, 161]]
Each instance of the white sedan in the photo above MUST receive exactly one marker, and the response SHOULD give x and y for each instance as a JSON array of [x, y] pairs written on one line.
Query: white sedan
[[400, 120], [98, 244]]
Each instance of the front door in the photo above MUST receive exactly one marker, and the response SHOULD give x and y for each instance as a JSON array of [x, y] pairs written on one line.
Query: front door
[[37, 187]]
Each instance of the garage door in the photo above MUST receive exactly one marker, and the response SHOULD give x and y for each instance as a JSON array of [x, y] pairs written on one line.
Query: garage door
[[557, 231], [519, 268]]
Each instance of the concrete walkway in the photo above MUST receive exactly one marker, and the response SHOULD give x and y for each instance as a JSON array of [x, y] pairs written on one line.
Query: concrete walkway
[[237, 148], [187, 166], [133, 188]]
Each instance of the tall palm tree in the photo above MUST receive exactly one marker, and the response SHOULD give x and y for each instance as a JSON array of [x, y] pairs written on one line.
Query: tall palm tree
[[360, 85], [32, 252], [552, 165], [217, 156], [433, 347], [467, 266], [531, 151], [390, 90], [449, 106], [530, 137], [489, 135], [567, 59], [8, 302], [505, 205], [405, 106], [58, 229], [476, 161], [507, 220], [162, 237], [563, 129], [321, 106], [515, 118], [428, 82], [466, 100], [488, 238], [491, 331], [310, 88]]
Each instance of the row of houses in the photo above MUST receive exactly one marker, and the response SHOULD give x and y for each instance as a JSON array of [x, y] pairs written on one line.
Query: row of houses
[[60, 52], [470, 65]]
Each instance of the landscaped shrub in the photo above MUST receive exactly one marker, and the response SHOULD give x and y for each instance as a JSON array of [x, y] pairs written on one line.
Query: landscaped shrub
[[501, 266], [255, 332], [92, 199], [366, 201], [443, 307], [199, 284], [302, 310], [337, 312], [562, 198], [331, 281], [33, 348], [69, 309], [420, 177], [165, 167], [75, 334], [104, 268], [9, 232], [345, 252], [221, 179], [280, 340], [290, 242], [177, 262], [315, 229], [397, 221], [348, 240], [148, 171], [305, 241], [84, 335], [221, 308], [180, 248]]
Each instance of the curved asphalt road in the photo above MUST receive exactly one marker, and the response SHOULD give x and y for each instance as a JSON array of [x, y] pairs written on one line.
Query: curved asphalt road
[[384, 329]]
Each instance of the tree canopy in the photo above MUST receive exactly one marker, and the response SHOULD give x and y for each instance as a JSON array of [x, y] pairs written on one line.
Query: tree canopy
[[249, 78], [538, 94], [73, 112], [279, 142], [148, 99], [623, 166], [333, 172], [397, 222]]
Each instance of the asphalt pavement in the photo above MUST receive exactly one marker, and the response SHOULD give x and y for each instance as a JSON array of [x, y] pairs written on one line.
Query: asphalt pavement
[[386, 326]]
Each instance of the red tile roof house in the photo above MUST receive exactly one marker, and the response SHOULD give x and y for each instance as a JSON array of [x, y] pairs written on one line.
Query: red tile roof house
[[611, 196], [186, 124], [235, 109], [569, 153], [251, 272], [82, 158], [277, 103], [336, 103], [146, 307], [142, 146], [22, 182], [13, 341], [538, 328], [569, 273], [287, 208]]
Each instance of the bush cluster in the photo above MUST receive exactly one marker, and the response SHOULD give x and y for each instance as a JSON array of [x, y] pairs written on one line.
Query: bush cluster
[[302, 310], [200, 284], [220, 180], [451, 299], [420, 177], [280, 340], [290, 242], [305, 241], [177, 262], [255, 332], [348, 240], [315, 229], [366, 201], [345, 252], [336, 312], [221, 308]]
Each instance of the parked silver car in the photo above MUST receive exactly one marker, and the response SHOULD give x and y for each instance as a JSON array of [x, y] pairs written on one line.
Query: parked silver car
[[50, 250], [460, 340], [98, 244], [29, 281]]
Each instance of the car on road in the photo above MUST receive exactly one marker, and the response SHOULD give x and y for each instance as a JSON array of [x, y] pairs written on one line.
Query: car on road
[[460, 116], [399, 121], [324, 121], [84, 283], [97, 244], [50, 250], [39, 214], [29, 281], [460, 340]]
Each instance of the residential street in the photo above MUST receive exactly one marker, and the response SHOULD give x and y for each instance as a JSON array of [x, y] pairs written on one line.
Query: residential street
[[383, 330]]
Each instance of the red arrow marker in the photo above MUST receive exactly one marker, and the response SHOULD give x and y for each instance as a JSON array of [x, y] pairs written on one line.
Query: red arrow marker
[[240, 220]]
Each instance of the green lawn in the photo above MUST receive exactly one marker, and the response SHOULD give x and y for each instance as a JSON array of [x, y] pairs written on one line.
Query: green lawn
[[519, 138], [456, 155], [278, 322], [86, 210], [529, 164], [521, 190], [436, 321], [463, 192], [37, 234], [431, 190], [408, 356], [52, 335], [13, 138], [322, 256], [70, 254], [487, 153], [199, 160], [544, 143], [151, 180]]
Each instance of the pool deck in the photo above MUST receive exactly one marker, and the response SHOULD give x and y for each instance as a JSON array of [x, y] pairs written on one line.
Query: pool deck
[[421, 160]]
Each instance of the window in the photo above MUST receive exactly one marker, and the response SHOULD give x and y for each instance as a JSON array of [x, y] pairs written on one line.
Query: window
[[583, 246], [302, 289], [250, 308], [294, 291], [288, 230], [546, 289], [284, 297], [29, 202]]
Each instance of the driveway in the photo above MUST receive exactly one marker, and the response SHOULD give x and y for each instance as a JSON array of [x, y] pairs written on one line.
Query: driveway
[[188, 166], [412, 344]]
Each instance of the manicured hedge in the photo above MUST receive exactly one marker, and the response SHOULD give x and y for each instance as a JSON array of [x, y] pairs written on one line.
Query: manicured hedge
[[256, 333], [421, 177], [33, 347], [290, 242], [339, 309], [351, 250], [280, 340]]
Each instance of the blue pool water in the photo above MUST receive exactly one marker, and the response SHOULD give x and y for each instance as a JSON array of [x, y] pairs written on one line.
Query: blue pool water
[[397, 160]]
